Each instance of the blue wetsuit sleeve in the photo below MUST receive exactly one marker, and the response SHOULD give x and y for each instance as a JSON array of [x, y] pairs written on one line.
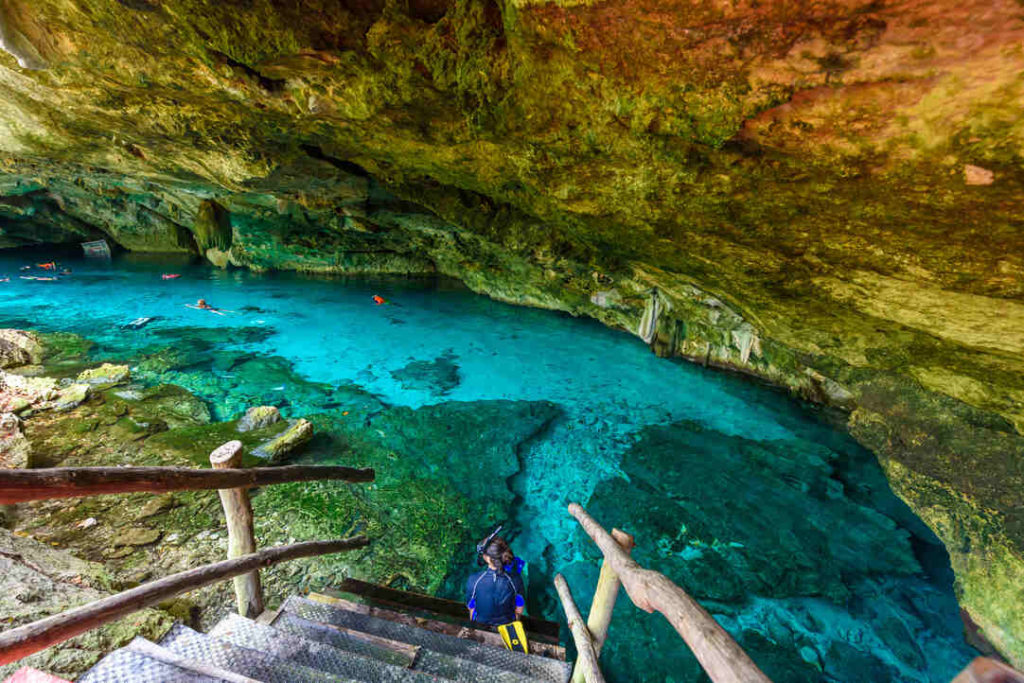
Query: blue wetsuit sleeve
[[517, 580]]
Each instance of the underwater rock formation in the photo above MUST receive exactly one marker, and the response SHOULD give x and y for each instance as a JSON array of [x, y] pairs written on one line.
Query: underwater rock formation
[[821, 194]]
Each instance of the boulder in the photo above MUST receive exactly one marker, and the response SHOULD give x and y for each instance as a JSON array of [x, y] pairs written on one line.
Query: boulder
[[106, 375], [32, 389], [292, 439], [15, 449], [137, 536], [258, 417], [72, 396], [18, 347]]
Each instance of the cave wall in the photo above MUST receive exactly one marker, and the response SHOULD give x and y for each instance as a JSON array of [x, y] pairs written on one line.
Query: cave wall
[[823, 194]]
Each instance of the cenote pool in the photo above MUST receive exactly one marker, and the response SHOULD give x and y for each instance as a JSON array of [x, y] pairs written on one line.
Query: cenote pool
[[475, 412]]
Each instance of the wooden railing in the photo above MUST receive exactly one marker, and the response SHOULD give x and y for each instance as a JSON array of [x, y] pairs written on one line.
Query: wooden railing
[[722, 658], [22, 486], [25, 640], [243, 563]]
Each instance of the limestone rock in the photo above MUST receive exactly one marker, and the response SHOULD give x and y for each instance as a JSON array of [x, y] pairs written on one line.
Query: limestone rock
[[106, 375], [156, 505], [289, 441], [32, 389], [16, 404], [976, 175], [138, 536], [72, 396], [18, 347], [258, 417], [15, 449]]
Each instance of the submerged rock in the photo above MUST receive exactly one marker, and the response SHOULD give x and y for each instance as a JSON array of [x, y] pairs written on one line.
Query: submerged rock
[[438, 376], [258, 417], [773, 539]]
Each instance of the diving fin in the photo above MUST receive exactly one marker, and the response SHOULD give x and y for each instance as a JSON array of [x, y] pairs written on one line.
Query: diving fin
[[514, 637]]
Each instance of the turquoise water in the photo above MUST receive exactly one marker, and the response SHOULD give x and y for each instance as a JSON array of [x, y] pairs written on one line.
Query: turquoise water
[[776, 520]]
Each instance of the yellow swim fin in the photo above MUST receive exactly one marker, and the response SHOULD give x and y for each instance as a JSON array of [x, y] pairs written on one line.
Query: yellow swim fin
[[514, 636]]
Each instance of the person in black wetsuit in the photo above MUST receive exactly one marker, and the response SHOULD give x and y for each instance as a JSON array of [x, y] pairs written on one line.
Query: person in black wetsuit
[[496, 595]]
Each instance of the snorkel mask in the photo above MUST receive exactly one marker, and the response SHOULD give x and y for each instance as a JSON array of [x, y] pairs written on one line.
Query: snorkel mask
[[481, 547]]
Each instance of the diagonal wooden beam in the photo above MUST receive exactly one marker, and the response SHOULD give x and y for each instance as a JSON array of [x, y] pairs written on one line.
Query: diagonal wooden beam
[[22, 641], [721, 657]]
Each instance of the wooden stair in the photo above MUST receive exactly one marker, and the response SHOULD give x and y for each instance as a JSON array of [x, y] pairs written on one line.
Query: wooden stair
[[358, 632]]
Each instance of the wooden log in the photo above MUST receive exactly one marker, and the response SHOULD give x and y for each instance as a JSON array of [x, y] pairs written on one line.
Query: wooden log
[[19, 486], [985, 670], [607, 592], [721, 657], [241, 535], [587, 655], [20, 642]]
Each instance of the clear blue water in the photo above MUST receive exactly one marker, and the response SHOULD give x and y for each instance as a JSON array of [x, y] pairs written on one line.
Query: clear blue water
[[627, 419]]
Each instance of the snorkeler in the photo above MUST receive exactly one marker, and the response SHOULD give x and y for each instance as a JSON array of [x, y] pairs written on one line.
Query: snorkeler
[[378, 299], [201, 305], [495, 596]]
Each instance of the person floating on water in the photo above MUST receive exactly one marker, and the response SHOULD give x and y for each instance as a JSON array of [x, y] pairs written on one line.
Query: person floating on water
[[496, 595], [203, 306], [52, 265], [378, 299]]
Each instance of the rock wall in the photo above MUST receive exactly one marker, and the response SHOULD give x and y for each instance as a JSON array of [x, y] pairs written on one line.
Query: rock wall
[[823, 194]]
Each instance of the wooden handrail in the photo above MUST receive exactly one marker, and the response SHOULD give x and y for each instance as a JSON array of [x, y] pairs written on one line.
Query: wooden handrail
[[25, 640], [721, 657], [19, 486], [985, 670], [581, 635]]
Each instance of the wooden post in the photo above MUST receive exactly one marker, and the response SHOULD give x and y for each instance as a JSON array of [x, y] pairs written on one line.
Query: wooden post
[[719, 655], [22, 641], [984, 670], [241, 541], [587, 661], [21, 486], [600, 617]]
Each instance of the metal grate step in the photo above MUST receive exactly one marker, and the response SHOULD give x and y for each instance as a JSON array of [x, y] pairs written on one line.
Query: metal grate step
[[264, 667], [128, 666], [447, 667], [529, 666], [244, 632], [336, 638]]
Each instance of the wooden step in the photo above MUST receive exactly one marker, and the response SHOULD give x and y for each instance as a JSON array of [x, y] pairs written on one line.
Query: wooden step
[[467, 630], [440, 609]]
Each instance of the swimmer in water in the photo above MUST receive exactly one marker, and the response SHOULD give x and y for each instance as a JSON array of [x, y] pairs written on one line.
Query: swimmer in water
[[203, 305], [378, 299]]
